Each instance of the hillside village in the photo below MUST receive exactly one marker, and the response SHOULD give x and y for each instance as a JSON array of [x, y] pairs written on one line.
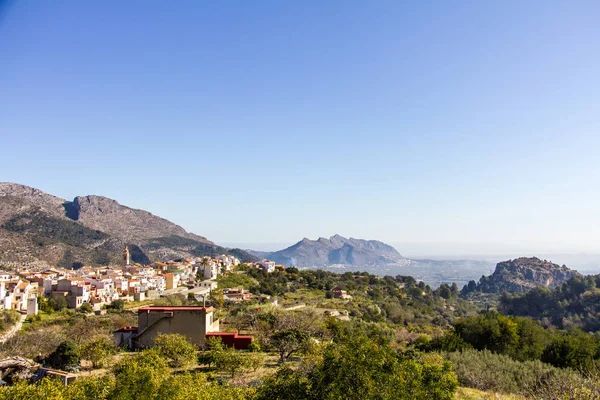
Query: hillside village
[[97, 287]]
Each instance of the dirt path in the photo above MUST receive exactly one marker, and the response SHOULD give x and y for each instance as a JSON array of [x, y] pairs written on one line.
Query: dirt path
[[13, 329]]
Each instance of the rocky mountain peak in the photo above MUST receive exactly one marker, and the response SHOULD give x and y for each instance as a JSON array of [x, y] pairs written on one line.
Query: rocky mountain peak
[[336, 250], [38, 227]]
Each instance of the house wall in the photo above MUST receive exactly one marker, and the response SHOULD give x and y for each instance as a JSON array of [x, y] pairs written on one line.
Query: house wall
[[169, 281], [122, 339], [193, 324], [32, 306], [232, 339]]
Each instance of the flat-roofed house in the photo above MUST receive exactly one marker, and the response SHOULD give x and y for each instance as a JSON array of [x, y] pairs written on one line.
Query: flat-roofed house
[[190, 321]]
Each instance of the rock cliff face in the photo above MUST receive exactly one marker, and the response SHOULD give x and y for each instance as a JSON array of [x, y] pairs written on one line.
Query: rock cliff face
[[107, 215], [521, 275], [335, 250], [38, 228]]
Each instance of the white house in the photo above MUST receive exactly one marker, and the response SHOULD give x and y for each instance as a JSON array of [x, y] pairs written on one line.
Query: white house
[[267, 265]]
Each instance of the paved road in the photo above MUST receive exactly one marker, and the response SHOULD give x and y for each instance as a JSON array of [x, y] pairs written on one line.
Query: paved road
[[13, 330]]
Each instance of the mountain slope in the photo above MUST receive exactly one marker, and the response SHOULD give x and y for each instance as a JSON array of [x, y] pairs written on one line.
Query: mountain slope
[[107, 215], [521, 275], [32, 197], [335, 250], [38, 228]]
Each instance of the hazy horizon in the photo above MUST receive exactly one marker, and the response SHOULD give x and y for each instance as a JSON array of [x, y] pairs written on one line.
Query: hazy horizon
[[454, 128], [481, 251], [584, 262]]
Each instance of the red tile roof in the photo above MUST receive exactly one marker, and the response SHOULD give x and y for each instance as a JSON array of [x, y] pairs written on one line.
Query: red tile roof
[[128, 329]]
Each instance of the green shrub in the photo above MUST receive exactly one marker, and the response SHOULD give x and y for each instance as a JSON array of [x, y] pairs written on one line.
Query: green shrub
[[487, 371], [254, 346]]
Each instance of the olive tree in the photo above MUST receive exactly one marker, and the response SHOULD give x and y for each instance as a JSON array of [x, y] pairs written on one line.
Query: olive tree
[[288, 342]]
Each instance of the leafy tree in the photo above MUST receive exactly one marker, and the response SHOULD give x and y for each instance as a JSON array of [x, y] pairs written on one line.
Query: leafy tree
[[574, 304], [445, 291], [238, 321], [176, 348], [576, 350], [86, 308], [217, 298], [255, 360], [214, 347], [140, 377], [195, 386], [288, 342], [492, 331], [117, 305], [44, 306], [454, 289], [285, 384], [231, 361], [97, 351], [58, 303], [358, 368], [45, 389], [87, 388], [448, 342], [254, 347], [65, 357]]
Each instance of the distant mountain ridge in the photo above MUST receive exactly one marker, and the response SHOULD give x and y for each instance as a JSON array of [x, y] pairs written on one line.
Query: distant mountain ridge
[[36, 227], [521, 275], [335, 250]]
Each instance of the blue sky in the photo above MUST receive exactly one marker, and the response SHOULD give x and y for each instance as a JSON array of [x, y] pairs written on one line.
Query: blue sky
[[427, 122]]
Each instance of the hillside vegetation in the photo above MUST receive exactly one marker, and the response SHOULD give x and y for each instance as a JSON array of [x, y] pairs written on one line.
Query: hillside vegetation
[[574, 304]]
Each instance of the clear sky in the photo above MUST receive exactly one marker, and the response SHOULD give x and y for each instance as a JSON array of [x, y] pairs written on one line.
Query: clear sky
[[423, 122]]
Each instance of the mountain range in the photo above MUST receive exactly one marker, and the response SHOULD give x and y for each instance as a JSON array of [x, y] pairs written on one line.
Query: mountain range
[[39, 228], [337, 250]]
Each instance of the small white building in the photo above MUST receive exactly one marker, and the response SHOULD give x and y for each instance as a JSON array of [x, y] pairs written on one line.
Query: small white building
[[32, 306], [268, 266], [211, 270], [208, 284]]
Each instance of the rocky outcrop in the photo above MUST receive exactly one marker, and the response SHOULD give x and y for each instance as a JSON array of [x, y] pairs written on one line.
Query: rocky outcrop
[[521, 275]]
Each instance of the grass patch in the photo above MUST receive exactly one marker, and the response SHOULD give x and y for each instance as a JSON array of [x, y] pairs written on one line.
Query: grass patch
[[135, 304], [8, 318], [235, 281], [45, 320]]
